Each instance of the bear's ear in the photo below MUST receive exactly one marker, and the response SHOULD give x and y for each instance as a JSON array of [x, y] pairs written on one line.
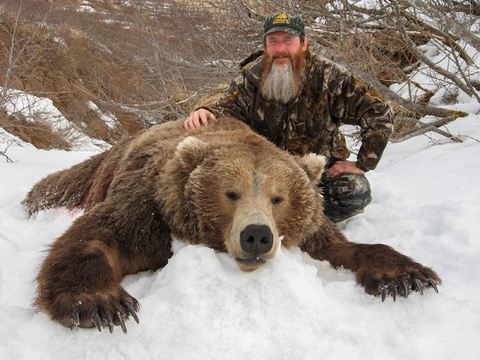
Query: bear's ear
[[313, 165], [191, 151]]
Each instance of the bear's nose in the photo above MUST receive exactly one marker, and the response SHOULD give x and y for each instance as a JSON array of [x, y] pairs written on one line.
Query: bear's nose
[[256, 239]]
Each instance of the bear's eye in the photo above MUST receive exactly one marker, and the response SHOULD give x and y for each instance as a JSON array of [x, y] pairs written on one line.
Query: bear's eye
[[277, 200], [232, 195]]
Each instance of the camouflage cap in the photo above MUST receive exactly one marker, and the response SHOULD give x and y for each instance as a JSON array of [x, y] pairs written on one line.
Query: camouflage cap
[[284, 21]]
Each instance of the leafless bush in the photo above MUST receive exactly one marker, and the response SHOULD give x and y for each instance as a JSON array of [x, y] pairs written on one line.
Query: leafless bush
[[389, 40]]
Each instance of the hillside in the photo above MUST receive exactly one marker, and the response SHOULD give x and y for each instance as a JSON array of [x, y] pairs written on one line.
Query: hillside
[[110, 68]]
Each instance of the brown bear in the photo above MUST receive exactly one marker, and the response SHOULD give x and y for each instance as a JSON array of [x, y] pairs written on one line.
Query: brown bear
[[223, 186]]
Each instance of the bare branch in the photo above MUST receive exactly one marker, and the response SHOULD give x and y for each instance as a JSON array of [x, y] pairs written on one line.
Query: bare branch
[[4, 154], [423, 128], [446, 22], [426, 60]]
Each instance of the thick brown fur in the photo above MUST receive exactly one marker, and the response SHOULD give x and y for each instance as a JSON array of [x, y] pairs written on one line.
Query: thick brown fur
[[212, 186]]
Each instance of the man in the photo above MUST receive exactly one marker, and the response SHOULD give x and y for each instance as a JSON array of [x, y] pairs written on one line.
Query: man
[[298, 100]]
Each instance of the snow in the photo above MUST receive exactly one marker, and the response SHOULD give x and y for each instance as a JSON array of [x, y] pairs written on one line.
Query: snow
[[201, 306], [108, 118], [85, 7]]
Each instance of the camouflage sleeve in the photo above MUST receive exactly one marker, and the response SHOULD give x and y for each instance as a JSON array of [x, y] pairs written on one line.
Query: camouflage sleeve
[[364, 107], [237, 100]]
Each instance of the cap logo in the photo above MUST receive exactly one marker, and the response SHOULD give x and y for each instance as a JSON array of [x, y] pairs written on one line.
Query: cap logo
[[282, 19]]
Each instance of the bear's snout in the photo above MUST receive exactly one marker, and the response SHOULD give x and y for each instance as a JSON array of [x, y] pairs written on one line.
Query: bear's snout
[[256, 240]]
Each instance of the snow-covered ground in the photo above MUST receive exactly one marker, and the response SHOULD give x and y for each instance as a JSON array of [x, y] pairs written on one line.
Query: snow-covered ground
[[201, 306]]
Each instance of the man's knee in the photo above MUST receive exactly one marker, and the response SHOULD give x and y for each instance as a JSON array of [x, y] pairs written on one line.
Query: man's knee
[[345, 195], [347, 188]]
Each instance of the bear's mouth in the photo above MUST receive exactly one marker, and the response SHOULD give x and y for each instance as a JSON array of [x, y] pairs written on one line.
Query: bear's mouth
[[252, 263]]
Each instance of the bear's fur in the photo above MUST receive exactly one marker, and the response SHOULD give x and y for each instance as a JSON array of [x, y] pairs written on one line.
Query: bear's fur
[[223, 186]]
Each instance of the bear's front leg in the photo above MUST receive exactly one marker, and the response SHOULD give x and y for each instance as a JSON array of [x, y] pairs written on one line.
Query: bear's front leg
[[79, 281], [379, 268]]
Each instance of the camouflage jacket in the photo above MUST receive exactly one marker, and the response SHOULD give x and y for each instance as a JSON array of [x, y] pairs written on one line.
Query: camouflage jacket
[[331, 97]]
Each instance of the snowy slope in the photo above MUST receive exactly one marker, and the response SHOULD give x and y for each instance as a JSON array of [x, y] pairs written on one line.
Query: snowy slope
[[33, 109], [201, 306]]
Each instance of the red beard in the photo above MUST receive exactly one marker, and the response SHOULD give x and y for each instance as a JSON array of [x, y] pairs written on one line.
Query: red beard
[[297, 60], [282, 80]]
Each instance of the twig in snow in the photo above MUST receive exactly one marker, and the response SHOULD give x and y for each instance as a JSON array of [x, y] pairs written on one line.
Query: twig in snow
[[4, 153]]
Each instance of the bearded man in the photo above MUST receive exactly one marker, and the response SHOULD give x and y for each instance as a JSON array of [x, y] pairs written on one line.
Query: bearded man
[[299, 100]]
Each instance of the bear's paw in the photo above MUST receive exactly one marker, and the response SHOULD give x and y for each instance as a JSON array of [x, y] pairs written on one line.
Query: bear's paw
[[387, 272], [95, 310]]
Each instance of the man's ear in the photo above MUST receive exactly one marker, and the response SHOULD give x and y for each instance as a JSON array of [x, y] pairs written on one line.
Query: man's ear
[[305, 44], [191, 152], [313, 165]]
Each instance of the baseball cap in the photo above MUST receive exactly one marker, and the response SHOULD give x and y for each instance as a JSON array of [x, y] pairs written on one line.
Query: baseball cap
[[284, 21]]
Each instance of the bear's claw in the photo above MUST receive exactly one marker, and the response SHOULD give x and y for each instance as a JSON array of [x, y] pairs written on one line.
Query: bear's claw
[[74, 320], [97, 322], [433, 284], [419, 286], [103, 317], [403, 289], [134, 314], [110, 324], [122, 322]]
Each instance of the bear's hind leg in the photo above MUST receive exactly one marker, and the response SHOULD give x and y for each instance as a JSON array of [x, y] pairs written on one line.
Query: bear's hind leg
[[79, 284], [67, 188]]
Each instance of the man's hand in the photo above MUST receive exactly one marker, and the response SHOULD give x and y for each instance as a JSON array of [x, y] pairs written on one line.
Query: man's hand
[[344, 167], [198, 118]]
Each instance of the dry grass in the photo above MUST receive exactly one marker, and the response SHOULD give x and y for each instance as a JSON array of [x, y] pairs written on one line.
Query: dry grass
[[36, 133]]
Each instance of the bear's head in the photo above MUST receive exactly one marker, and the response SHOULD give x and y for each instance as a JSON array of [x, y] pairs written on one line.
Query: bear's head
[[242, 195]]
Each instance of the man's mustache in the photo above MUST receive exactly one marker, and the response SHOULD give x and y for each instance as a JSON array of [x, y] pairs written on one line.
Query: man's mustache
[[281, 55]]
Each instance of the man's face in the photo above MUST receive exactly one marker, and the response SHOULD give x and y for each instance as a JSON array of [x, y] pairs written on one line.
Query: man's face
[[282, 45], [283, 66]]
